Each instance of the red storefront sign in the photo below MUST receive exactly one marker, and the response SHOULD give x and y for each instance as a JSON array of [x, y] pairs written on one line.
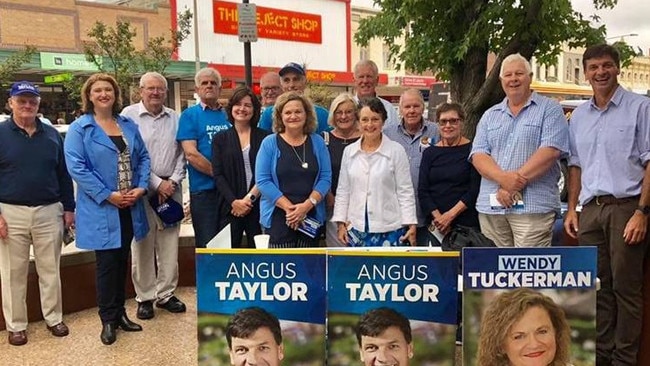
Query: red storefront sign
[[418, 81], [271, 23]]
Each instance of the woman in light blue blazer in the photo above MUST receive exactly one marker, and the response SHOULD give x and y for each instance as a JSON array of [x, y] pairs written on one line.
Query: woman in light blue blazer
[[108, 160]]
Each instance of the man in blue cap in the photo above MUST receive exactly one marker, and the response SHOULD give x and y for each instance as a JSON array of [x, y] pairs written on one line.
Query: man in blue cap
[[294, 78], [36, 204]]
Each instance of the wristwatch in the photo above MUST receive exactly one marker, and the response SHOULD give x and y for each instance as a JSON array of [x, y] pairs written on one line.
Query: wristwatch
[[252, 197], [645, 210], [313, 201]]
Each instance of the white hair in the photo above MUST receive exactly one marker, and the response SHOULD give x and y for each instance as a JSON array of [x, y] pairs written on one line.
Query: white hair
[[515, 57]]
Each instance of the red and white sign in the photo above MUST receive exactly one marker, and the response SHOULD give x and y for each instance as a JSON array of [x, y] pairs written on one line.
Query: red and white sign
[[418, 81], [271, 23]]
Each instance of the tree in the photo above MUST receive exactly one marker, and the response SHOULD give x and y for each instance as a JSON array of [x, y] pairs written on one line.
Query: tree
[[14, 64], [454, 37], [113, 51]]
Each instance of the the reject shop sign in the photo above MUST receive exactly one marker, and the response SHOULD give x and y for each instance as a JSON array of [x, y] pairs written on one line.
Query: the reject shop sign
[[271, 23]]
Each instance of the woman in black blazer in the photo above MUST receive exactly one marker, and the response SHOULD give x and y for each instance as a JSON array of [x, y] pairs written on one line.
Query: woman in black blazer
[[233, 166]]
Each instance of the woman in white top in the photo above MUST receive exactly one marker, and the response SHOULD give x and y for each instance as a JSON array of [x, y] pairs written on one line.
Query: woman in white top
[[375, 201]]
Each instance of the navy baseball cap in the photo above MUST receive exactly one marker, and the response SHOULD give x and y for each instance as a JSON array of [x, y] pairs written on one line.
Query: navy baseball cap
[[292, 67], [24, 87]]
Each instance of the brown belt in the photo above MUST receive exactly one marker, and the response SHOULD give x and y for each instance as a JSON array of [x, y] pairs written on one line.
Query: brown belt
[[611, 200]]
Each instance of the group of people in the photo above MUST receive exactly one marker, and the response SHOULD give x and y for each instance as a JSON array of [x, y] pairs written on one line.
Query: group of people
[[357, 172]]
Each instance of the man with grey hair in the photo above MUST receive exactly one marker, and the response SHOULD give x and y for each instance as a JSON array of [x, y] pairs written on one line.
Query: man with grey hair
[[270, 88], [196, 127], [516, 150], [415, 134], [366, 78], [36, 204], [159, 249]]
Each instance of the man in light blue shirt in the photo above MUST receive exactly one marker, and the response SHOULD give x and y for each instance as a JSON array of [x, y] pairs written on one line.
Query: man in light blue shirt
[[415, 134], [609, 176], [516, 150], [294, 78]]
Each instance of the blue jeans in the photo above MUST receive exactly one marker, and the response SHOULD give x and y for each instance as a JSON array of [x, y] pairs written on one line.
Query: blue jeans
[[205, 209]]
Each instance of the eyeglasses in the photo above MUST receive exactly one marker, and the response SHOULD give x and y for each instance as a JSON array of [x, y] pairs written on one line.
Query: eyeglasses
[[153, 89], [270, 88], [450, 121], [208, 82]]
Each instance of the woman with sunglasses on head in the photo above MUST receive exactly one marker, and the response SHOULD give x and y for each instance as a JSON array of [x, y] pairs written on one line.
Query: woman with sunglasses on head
[[449, 184], [344, 118]]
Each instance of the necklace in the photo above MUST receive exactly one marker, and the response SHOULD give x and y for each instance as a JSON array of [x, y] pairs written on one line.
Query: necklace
[[303, 161], [443, 143]]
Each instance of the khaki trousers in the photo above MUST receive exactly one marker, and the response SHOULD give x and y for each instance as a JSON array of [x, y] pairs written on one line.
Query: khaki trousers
[[158, 250], [42, 228], [518, 230]]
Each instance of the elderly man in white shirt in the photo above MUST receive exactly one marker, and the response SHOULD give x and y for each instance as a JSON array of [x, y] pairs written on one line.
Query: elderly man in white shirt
[[158, 126]]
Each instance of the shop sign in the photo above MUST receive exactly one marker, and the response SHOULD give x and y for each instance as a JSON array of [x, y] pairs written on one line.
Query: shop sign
[[271, 23], [58, 78], [66, 61], [418, 81]]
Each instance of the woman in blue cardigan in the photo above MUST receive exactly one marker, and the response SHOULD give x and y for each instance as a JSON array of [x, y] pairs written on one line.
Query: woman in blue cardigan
[[108, 160], [293, 173]]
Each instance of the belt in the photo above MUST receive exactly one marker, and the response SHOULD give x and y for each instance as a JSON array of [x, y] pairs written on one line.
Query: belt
[[611, 200]]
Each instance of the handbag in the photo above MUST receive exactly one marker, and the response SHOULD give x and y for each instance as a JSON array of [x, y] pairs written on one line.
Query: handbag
[[465, 237], [170, 212]]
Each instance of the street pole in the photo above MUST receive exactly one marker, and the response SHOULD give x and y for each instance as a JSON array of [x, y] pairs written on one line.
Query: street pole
[[197, 58], [247, 60]]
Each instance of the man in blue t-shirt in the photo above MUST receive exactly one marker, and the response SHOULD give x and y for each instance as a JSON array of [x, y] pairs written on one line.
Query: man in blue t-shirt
[[294, 78], [196, 127]]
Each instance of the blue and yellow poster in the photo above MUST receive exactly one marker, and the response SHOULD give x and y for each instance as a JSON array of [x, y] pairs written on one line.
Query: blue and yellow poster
[[535, 304], [241, 294], [391, 307]]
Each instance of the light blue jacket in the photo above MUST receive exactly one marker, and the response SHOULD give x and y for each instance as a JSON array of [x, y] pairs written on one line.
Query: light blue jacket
[[267, 178], [91, 158]]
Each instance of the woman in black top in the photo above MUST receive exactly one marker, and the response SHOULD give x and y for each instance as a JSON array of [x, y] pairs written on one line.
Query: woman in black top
[[233, 166], [344, 117], [449, 184]]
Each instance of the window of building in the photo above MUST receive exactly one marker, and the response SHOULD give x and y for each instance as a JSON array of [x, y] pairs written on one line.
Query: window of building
[[388, 64]]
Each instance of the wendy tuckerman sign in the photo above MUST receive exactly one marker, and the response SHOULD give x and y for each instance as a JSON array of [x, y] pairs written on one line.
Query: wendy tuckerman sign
[[508, 280], [550, 267]]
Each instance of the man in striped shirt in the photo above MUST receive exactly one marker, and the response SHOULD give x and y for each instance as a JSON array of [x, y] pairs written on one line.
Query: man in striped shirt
[[516, 150]]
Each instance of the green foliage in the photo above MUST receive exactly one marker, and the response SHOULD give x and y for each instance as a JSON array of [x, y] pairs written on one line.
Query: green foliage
[[454, 37], [13, 64], [158, 54], [626, 51], [113, 51]]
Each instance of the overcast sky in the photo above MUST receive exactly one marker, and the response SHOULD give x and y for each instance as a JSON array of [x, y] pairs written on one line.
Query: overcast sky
[[629, 16]]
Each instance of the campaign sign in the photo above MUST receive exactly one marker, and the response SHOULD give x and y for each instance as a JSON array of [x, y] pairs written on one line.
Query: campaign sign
[[383, 289], [514, 295], [288, 285]]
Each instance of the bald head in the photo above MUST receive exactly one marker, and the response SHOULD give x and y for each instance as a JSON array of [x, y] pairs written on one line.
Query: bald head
[[270, 87]]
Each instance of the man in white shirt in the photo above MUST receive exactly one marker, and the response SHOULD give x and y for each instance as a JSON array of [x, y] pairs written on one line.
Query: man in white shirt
[[158, 126], [366, 78]]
